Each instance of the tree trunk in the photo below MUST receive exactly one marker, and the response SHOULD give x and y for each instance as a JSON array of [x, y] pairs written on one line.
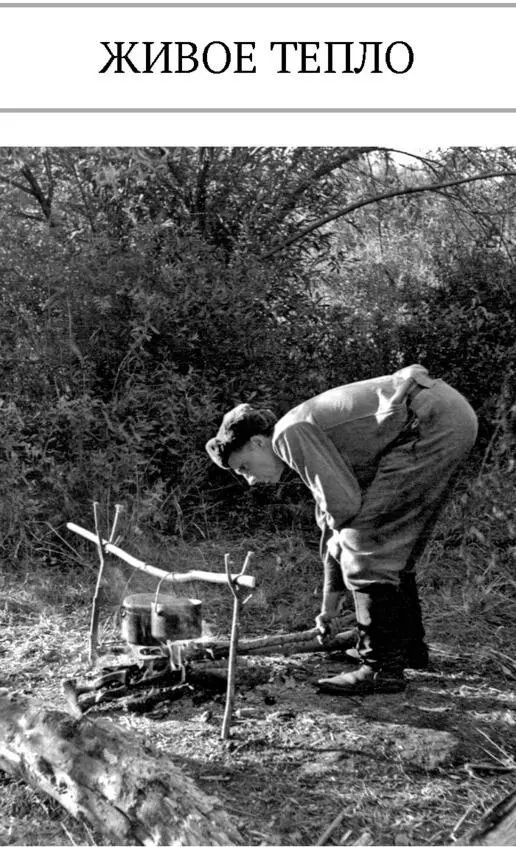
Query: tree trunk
[[498, 827], [129, 793]]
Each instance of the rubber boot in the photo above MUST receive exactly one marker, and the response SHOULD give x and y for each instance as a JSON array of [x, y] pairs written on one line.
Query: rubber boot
[[415, 651], [378, 612]]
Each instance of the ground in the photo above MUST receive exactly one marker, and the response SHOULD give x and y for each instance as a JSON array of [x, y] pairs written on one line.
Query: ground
[[420, 767]]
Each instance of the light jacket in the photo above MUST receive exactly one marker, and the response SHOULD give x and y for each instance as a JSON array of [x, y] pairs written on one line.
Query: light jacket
[[334, 441]]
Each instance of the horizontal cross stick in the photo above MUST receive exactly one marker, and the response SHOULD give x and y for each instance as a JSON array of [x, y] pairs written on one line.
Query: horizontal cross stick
[[166, 576]]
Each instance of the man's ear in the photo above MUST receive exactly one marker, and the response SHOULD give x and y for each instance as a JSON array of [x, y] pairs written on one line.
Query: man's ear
[[257, 440]]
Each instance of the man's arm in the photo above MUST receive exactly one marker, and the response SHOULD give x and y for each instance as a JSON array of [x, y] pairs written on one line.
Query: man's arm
[[333, 581], [308, 451], [334, 588]]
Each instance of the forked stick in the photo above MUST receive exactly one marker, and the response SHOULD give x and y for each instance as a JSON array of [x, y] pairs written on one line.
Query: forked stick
[[233, 644], [94, 623]]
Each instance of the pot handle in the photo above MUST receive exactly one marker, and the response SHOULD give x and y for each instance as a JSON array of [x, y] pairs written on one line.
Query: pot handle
[[156, 596]]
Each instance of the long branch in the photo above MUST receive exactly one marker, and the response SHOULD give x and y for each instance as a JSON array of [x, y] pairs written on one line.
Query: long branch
[[323, 169], [367, 201]]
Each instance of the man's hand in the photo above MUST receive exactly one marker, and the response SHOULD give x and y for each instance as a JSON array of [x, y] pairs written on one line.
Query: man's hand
[[331, 608], [326, 628]]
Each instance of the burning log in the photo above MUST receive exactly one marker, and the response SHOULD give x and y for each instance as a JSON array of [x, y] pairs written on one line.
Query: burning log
[[284, 644], [104, 775]]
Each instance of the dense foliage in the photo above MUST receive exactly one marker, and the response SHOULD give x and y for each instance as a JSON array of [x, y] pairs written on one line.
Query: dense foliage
[[145, 291]]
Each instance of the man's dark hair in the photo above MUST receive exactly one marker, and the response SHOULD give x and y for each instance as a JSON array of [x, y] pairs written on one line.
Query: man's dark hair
[[237, 428]]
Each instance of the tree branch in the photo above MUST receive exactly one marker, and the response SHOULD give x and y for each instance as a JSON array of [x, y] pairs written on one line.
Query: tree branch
[[37, 192], [322, 170], [418, 189], [86, 204]]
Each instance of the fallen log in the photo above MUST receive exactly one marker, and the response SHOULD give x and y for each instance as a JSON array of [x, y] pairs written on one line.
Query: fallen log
[[98, 772], [497, 828]]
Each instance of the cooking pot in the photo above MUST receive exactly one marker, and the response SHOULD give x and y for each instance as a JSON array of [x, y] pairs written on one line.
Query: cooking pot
[[136, 619], [176, 619], [146, 621]]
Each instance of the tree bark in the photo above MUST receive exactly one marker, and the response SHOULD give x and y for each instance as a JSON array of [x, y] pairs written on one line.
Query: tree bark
[[129, 793], [498, 827]]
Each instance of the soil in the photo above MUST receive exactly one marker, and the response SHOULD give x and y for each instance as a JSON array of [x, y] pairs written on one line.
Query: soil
[[417, 767]]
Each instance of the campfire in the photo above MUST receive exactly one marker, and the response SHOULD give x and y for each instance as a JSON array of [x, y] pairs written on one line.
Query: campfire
[[161, 633], [164, 654]]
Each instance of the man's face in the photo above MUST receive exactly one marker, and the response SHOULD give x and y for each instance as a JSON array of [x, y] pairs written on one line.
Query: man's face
[[256, 461]]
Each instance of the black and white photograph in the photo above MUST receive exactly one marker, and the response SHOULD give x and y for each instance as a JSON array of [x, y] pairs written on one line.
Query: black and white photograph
[[257, 513]]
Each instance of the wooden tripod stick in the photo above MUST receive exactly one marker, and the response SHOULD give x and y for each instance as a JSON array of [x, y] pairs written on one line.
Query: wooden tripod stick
[[94, 622], [233, 644]]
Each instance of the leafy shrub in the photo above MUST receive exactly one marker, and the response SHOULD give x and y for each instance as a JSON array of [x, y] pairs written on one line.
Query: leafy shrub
[[145, 304]]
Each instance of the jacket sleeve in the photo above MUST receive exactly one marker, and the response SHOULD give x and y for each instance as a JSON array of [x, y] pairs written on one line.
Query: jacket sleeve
[[333, 579], [308, 451]]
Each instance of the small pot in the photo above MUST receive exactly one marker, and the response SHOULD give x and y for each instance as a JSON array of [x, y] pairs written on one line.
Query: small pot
[[136, 619], [176, 619]]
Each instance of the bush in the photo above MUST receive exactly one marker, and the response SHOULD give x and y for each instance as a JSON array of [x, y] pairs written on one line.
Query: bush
[[138, 315]]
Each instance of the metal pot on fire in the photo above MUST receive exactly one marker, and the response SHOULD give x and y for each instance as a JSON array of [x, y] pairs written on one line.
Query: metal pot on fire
[[147, 621]]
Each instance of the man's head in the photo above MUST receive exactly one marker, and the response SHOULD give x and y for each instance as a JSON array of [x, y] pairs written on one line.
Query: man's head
[[243, 444]]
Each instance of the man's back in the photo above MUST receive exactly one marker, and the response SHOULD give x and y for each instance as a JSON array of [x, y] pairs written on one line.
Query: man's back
[[361, 419]]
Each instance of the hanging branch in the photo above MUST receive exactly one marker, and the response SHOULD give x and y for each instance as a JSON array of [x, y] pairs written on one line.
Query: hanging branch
[[368, 201], [291, 197]]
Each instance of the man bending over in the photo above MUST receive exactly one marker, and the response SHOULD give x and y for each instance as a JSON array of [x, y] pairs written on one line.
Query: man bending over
[[378, 456]]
